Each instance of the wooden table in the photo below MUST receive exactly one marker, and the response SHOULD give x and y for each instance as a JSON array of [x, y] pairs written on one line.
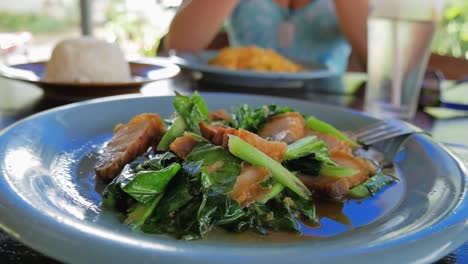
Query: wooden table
[[18, 100]]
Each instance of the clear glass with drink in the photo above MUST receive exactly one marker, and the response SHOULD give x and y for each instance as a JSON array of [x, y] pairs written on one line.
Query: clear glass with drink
[[399, 40]]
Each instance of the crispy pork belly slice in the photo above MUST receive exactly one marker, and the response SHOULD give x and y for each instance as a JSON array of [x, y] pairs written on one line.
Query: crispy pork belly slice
[[287, 127], [129, 141], [218, 134], [274, 149], [220, 114], [333, 143], [183, 146], [247, 187], [337, 187]]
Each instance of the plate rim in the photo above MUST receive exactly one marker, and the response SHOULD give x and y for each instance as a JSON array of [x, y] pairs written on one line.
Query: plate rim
[[168, 70], [64, 227]]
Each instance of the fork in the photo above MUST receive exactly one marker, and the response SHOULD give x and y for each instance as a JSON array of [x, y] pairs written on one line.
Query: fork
[[384, 130]]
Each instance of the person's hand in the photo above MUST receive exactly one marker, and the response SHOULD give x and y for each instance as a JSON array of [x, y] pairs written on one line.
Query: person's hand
[[196, 23]]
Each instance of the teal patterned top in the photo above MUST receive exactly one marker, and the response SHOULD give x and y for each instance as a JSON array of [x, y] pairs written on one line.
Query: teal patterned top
[[310, 34]]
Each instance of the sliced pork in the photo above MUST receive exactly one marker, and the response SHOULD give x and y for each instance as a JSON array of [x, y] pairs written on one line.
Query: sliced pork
[[337, 187], [183, 146], [287, 127], [220, 114], [333, 143], [128, 142], [247, 187], [218, 134]]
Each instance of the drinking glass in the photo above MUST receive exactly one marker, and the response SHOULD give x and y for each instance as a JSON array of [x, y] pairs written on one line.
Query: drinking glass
[[399, 43]]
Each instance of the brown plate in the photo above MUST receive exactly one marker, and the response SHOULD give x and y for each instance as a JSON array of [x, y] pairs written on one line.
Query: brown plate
[[143, 71]]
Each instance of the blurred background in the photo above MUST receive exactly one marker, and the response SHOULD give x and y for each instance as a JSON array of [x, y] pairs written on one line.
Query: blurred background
[[29, 29]]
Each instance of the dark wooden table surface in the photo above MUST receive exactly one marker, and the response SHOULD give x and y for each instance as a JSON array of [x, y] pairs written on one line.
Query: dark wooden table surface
[[19, 100]]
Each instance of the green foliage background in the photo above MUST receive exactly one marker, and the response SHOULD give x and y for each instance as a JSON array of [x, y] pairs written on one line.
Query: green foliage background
[[452, 35]]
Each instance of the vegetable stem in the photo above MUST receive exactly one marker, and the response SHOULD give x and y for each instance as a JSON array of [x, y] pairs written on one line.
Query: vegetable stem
[[252, 155], [177, 129], [275, 190], [370, 186], [320, 126], [336, 171]]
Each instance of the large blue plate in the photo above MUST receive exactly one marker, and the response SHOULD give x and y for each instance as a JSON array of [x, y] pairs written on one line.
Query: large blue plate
[[49, 201], [199, 62]]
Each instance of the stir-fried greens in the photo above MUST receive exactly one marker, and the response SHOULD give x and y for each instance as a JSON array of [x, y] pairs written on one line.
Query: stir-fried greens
[[255, 169]]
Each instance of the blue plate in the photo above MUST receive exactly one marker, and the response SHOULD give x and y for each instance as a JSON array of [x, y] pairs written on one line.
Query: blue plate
[[49, 200], [199, 62]]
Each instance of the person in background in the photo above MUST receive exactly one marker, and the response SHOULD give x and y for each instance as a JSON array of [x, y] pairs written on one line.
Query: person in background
[[316, 31]]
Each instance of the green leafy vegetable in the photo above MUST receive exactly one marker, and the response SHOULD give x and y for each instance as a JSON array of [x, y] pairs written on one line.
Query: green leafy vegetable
[[113, 196], [371, 186], [253, 119], [305, 207], [193, 110], [142, 211], [305, 147], [224, 167], [217, 209], [277, 215], [159, 161], [147, 184], [246, 152], [320, 126], [309, 155]]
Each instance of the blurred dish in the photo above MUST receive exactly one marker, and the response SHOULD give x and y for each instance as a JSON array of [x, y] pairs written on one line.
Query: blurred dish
[[199, 62], [143, 71], [254, 59]]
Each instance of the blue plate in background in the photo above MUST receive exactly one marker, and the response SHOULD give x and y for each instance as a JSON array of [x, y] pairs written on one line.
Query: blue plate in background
[[199, 62]]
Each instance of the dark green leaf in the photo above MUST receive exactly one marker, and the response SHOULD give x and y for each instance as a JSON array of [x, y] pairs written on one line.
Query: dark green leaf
[[253, 119], [193, 110], [217, 209], [371, 185], [113, 196], [159, 161], [227, 167], [142, 211], [307, 146], [147, 184], [308, 165], [280, 216], [191, 173], [173, 200], [305, 207]]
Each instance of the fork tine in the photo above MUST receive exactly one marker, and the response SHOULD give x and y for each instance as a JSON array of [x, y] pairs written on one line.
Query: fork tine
[[386, 136], [370, 127], [384, 130], [379, 134], [373, 131]]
